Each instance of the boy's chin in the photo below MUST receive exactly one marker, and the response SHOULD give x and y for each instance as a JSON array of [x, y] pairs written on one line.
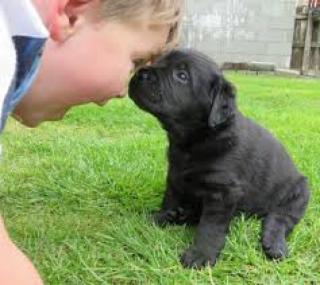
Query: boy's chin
[[36, 119], [106, 100], [28, 122]]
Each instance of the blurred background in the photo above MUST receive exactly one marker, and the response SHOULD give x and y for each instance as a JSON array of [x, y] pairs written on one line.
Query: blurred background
[[285, 33]]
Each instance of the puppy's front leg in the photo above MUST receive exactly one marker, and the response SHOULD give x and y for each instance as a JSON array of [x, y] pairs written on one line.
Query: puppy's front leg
[[211, 232], [171, 211]]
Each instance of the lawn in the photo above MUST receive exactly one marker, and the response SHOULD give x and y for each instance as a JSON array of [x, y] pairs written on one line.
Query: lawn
[[77, 195]]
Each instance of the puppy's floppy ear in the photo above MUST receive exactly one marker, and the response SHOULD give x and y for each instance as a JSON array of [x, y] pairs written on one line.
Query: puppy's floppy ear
[[223, 103]]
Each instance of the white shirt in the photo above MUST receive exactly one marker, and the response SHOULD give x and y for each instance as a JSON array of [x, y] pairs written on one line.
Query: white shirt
[[18, 18]]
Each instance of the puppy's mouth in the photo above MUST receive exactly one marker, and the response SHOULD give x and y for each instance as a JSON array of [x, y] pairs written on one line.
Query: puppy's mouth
[[144, 88]]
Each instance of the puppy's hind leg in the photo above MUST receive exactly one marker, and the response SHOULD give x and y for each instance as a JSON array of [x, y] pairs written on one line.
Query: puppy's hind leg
[[280, 222]]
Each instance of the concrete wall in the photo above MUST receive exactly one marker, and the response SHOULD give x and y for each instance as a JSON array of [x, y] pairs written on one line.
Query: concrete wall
[[302, 2], [241, 30]]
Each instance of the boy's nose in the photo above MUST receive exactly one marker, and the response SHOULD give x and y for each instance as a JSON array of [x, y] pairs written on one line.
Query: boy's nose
[[147, 75]]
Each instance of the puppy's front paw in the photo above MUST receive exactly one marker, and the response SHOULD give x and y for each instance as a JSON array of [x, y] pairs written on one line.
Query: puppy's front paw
[[194, 258], [170, 216], [275, 247], [164, 217]]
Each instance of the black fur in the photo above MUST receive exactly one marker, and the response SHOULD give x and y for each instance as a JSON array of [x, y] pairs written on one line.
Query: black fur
[[220, 162]]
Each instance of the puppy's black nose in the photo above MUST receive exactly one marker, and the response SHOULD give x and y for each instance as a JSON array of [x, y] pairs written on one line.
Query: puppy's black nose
[[146, 75]]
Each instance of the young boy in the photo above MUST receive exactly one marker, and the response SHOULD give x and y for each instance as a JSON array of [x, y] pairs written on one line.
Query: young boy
[[55, 54]]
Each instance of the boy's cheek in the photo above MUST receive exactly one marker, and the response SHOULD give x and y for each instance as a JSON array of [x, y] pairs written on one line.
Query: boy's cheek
[[98, 88], [113, 82]]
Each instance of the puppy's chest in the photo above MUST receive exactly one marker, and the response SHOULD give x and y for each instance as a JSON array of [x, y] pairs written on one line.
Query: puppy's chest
[[190, 173]]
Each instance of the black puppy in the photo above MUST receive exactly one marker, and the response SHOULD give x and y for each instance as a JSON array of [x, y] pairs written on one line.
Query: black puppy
[[220, 162]]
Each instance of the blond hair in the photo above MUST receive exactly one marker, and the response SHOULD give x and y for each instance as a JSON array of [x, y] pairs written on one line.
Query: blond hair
[[159, 12]]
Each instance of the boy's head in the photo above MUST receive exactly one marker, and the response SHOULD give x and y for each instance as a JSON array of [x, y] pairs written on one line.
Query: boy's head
[[94, 46]]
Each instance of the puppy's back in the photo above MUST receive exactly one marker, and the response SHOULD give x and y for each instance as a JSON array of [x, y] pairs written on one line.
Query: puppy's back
[[265, 163]]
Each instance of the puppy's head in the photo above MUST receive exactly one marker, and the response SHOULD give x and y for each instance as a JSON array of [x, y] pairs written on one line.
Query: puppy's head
[[184, 89]]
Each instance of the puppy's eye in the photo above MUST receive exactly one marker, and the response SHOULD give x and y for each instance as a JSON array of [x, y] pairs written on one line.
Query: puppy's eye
[[181, 76]]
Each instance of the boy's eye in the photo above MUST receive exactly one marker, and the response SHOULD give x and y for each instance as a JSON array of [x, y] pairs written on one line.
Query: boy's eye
[[139, 63]]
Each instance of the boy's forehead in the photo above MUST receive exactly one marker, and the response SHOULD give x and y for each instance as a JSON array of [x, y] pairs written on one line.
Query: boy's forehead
[[154, 40]]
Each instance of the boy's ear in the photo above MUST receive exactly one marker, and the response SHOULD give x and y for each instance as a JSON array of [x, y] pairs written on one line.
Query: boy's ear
[[66, 16]]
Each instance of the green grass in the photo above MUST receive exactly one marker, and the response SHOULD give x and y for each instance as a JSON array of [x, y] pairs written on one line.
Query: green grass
[[77, 195]]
